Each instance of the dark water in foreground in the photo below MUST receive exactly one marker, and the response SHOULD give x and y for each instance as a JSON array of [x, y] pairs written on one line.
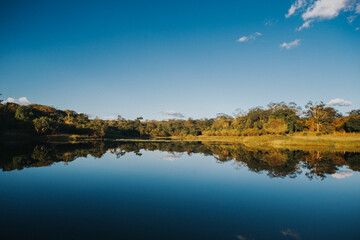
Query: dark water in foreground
[[177, 191]]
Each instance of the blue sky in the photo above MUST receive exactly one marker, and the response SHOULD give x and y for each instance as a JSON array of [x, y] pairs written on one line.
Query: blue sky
[[197, 58]]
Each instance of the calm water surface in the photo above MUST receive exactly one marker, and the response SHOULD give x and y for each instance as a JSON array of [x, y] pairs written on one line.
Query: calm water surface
[[177, 191]]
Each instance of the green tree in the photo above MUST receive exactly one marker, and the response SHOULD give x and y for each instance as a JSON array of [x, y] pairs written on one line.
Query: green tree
[[23, 113], [276, 126], [43, 125], [354, 112], [352, 125]]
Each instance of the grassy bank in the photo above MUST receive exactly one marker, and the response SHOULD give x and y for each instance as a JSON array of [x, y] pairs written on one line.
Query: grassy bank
[[347, 142], [339, 142]]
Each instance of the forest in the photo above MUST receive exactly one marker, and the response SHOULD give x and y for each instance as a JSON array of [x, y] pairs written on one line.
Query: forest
[[275, 119]]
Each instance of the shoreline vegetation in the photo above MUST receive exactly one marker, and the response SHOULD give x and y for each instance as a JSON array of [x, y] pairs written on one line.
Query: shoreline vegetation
[[315, 164], [337, 143], [346, 142], [279, 125]]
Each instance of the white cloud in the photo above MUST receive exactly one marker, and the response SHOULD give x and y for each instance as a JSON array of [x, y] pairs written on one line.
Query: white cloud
[[20, 101], [338, 102], [357, 9], [357, 29], [323, 9], [305, 25], [295, 6], [250, 37], [172, 113], [243, 39], [351, 18], [290, 45], [342, 174]]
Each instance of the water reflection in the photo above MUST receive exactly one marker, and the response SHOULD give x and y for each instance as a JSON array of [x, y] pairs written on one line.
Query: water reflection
[[274, 162], [342, 174], [290, 233], [171, 157]]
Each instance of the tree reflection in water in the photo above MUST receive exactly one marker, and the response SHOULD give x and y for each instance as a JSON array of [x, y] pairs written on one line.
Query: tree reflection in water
[[273, 162]]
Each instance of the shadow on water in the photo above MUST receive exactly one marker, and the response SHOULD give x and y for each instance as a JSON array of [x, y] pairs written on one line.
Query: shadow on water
[[274, 162]]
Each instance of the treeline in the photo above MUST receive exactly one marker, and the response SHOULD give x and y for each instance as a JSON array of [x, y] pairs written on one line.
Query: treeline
[[276, 118]]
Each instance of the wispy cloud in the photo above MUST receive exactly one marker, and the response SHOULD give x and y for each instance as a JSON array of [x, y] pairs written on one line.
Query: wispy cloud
[[21, 101], [351, 18], [342, 174], [338, 102], [357, 29], [298, 4], [271, 22], [172, 113], [305, 25], [243, 39], [290, 45], [319, 10], [250, 37]]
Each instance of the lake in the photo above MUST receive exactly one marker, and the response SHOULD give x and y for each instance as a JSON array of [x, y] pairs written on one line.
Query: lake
[[177, 190]]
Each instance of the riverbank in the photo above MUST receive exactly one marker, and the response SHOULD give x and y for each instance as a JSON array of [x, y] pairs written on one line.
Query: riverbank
[[348, 142], [341, 142]]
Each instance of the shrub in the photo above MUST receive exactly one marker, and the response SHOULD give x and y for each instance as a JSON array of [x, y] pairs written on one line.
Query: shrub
[[352, 125], [23, 113], [276, 126], [328, 129], [43, 125]]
